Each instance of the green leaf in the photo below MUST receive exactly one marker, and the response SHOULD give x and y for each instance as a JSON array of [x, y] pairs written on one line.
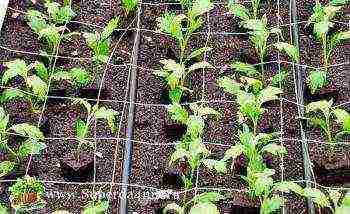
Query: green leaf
[[219, 166], [245, 68], [234, 152], [199, 65], [12, 94], [30, 147], [322, 28], [195, 126], [317, 80], [36, 20], [271, 205], [4, 120], [291, 50], [207, 197], [129, 5], [274, 149], [175, 95], [98, 207], [80, 101], [178, 113], [343, 117], [200, 7], [15, 68], [81, 129], [165, 22], [322, 105], [204, 208], [279, 79], [334, 195], [28, 130], [64, 15], [287, 186], [198, 52], [268, 94], [38, 86], [161, 73], [6, 167], [178, 154], [238, 10], [176, 27], [252, 84], [107, 114], [80, 76], [110, 27], [51, 35], [338, 38], [317, 196], [177, 72], [202, 111], [229, 85], [41, 70]]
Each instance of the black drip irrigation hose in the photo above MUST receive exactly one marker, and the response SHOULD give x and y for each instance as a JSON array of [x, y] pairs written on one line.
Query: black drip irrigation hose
[[123, 209], [298, 70]]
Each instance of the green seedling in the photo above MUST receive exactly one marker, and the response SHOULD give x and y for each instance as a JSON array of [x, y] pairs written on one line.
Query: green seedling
[[336, 201], [202, 203], [50, 26], [96, 207], [260, 32], [27, 193], [94, 113], [182, 26], [3, 208], [36, 78], [322, 114], [190, 150], [250, 96], [129, 6], [175, 74], [317, 80], [33, 145], [322, 24], [99, 42]]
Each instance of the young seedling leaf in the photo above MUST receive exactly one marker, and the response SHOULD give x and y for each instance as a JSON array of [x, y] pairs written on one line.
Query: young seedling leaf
[[178, 113], [271, 205], [129, 5], [28, 130], [36, 20], [110, 27], [317, 80], [107, 114], [195, 126], [234, 152], [279, 79], [51, 35], [229, 85], [219, 166], [238, 10], [275, 149], [80, 101], [177, 155], [198, 52], [204, 208], [80, 76], [317, 196], [38, 86], [30, 147], [288, 186], [165, 22], [322, 105], [268, 94], [339, 2], [6, 167], [175, 95], [334, 195], [96, 207], [291, 50], [15, 68], [81, 129], [200, 7], [12, 94], [41, 70], [207, 197], [245, 69]]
